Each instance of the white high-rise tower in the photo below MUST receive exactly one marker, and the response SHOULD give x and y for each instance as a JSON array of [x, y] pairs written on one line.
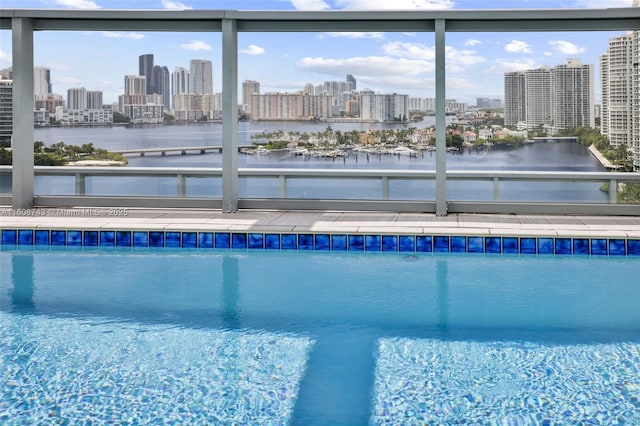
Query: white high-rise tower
[[616, 82], [620, 83], [201, 76], [635, 84], [572, 95], [558, 98], [179, 81], [249, 88]]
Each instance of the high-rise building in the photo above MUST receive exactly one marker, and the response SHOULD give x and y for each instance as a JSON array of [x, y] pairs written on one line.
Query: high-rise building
[[6, 73], [249, 88], [635, 88], [77, 98], [41, 83], [135, 85], [514, 98], [289, 106], [352, 80], [421, 104], [50, 104], [6, 112], [572, 94], [556, 98], [145, 68], [180, 81], [488, 103], [94, 99], [616, 79], [309, 89], [620, 83], [162, 84], [538, 97], [201, 76], [384, 108]]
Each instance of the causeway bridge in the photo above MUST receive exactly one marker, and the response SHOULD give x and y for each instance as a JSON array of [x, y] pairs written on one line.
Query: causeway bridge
[[183, 150]]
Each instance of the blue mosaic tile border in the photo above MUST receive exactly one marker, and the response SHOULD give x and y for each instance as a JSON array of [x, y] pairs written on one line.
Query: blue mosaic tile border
[[323, 242]]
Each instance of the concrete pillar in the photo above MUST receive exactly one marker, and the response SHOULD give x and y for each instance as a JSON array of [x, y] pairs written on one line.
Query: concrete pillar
[[229, 116], [441, 121], [23, 171]]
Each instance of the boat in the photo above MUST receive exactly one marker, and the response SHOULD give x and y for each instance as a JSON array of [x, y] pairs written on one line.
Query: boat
[[300, 151], [403, 150]]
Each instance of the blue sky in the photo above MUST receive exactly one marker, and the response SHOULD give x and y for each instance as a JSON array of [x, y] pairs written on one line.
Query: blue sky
[[384, 62]]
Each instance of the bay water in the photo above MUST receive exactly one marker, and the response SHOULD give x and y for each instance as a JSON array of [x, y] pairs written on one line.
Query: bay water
[[539, 156]]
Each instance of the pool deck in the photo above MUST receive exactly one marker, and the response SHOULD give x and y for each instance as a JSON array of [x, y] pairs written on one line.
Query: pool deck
[[322, 221]]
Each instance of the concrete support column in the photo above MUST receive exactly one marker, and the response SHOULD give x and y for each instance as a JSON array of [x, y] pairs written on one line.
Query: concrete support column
[[229, 116], [22, 172], [441, 121]]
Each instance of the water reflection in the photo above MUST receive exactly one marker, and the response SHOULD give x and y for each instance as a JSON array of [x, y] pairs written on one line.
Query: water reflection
[[442, 277], [230, 293], [23, 285]]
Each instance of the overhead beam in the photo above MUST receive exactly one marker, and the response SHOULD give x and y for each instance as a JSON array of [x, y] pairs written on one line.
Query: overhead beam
[[612, 19]]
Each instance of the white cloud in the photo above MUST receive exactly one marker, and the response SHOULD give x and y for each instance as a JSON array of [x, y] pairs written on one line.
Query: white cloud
[[367, 68], [565, 47], [472, 42], [78, 4], [356, 35], [119, 34], [456, 59], [310, 5], [517, 46], [174, 5], [395, 4], [196, 45], [500, 66], [253, 50], [409, 50], [461, 84], [599, 4], [546, 53], [69, 81], [5, 57]]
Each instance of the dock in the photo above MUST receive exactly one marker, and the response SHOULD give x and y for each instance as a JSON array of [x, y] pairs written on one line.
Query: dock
[[604, 162], [183, 150]]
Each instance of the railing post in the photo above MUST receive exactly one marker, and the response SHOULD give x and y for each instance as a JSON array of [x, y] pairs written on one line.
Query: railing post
[[182, 185], [385, 187], [441, 121], [229, 116], [613, 191], [283, 186], [22, 143], [80, 184], [496, 188]]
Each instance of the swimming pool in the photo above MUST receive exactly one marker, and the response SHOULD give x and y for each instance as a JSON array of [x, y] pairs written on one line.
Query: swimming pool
[[294, 337]]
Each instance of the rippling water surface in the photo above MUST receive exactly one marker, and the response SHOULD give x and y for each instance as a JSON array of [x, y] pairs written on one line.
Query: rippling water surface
[[252, 337]]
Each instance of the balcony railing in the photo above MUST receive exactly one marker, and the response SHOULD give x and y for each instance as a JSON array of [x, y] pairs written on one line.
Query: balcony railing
[[492, 191], [435, 197]]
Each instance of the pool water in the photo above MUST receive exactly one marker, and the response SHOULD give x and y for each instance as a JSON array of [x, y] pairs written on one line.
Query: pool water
[[146, 336]]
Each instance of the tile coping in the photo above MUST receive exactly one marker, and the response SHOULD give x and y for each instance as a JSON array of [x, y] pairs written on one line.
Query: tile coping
[[337, 231]]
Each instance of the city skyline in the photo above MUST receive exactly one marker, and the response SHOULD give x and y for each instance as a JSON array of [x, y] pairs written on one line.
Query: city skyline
[[383, 62]]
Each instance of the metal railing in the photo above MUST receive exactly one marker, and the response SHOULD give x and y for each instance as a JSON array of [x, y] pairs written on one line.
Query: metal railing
[[385, 200]]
